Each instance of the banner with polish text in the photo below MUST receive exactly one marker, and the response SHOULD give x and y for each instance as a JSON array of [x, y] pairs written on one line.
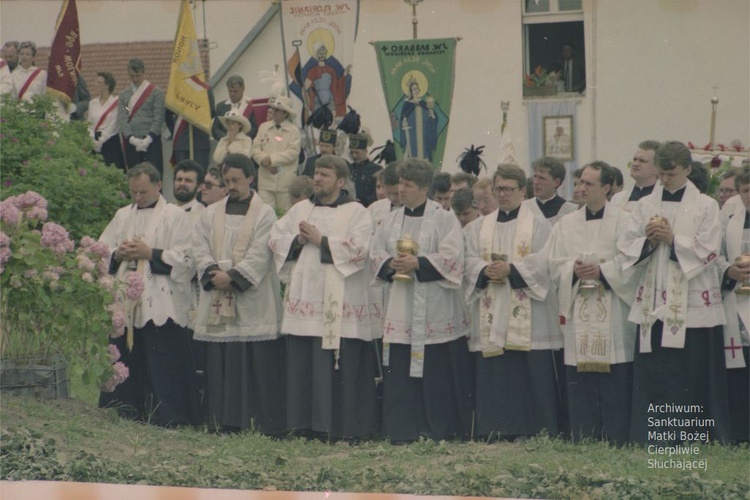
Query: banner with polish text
[[65, 54], [318, 39], [417, 77], [187, 93]]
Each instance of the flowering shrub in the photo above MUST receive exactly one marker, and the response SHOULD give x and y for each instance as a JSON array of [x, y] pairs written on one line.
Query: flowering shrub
[[54, 159], [540, 77], [56, 298]]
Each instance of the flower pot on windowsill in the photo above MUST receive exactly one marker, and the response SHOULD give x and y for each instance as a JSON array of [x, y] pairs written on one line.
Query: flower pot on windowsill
[[44, 377], [544, 91]]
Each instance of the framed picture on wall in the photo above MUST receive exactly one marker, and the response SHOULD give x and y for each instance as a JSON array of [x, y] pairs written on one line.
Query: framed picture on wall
[[558, 137]]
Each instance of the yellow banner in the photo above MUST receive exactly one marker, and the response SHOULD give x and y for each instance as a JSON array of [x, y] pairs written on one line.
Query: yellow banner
[[187, 94]]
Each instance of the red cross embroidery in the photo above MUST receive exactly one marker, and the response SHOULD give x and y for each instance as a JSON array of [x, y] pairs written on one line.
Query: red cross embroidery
[[706, 299], [450, 264], [449, 328], [731, 347], [389, 328]]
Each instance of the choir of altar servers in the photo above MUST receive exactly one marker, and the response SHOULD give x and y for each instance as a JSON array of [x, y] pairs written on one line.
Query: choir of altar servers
[[598, 320]]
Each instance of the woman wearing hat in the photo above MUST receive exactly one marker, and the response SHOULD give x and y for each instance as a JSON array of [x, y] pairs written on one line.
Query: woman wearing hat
[[236, 140]]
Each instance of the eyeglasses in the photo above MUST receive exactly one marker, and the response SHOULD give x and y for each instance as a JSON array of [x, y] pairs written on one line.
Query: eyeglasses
[[727, 191], [504, 189]]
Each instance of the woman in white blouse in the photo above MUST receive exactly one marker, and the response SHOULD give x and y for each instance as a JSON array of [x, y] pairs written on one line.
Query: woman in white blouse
[[102, 117], [28, 80], [236, 140]]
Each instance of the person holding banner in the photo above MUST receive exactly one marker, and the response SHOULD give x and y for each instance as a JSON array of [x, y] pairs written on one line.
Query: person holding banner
[[28, 80], [141, 117], [103, 121]]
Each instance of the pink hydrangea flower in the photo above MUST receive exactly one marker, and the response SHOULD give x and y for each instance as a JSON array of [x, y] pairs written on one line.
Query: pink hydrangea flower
[[120, 372], [107, 282], [114, 353], [9, 213], [135, 286], [87, 241], [5, 254], [119, 320], [101, 249], [30, 273], [55, 237], [85, 263], [37, 213], [4, 239], [30, 199], [87, 277]]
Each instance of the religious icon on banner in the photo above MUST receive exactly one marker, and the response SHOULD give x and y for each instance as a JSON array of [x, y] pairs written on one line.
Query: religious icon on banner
[[417, 119]]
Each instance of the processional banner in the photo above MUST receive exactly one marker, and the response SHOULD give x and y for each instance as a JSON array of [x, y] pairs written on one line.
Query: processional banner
[[417, 77], [65, 54], [187, 92], [318, 40]]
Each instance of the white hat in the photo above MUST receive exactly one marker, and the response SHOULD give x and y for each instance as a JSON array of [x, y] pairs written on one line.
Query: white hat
[[234, 116], [283, 103]]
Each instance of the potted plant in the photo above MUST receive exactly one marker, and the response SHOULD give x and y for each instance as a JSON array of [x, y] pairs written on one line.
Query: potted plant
[[58, 304], [540, 83]]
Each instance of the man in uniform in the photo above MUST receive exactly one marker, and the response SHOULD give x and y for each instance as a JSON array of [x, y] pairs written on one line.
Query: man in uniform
[[361, 169], [141, 117], [276, 151]]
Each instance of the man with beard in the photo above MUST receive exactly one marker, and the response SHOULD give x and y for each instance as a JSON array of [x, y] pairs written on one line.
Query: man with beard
[[188, 175], [240, 308], [320, 249]]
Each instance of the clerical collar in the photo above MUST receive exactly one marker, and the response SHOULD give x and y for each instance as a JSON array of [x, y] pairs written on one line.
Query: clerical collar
[[503, 216], [550, 207], [675, 196], [595, 215], [153, 205], [416, 211], [639, 192], [238, 207], [342, 198]]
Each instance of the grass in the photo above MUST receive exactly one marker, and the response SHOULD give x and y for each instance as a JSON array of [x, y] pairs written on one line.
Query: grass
[[72, 440]]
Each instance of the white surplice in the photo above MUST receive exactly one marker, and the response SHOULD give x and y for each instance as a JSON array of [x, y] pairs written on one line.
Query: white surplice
[[736, 307], [165, 296], [697, 244], [258, 309], [431, 312], [305, 277], [572, 237], [545, 332]]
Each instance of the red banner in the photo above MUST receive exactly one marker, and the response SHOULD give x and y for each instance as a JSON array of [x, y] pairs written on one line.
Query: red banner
[[65, 54]]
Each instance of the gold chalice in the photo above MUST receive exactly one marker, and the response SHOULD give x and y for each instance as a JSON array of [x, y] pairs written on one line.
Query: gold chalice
[[409, 246], [744, 287], [494, 257]]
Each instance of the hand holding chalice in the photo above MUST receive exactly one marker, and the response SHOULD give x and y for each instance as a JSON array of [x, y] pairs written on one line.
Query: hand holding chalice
[[405, 246]]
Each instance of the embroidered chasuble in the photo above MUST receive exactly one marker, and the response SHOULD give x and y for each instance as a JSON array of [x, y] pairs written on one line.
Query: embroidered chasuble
[[679, 284]]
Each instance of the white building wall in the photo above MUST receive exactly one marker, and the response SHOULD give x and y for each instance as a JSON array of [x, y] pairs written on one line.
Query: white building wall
[[652, 63]]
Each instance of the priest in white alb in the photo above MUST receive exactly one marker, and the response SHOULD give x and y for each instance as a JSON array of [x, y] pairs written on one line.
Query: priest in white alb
[[331, 317], [674, 235], [515, 336], [595, 296], [735, 280], [151, 239], [427, 378], [643, 172], [239, 312]]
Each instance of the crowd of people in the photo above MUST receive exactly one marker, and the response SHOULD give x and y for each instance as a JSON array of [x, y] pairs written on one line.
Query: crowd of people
[[418, 303], [409, 319]]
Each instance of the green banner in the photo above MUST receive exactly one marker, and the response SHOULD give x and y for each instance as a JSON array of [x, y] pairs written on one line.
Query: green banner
[[417, 78]]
